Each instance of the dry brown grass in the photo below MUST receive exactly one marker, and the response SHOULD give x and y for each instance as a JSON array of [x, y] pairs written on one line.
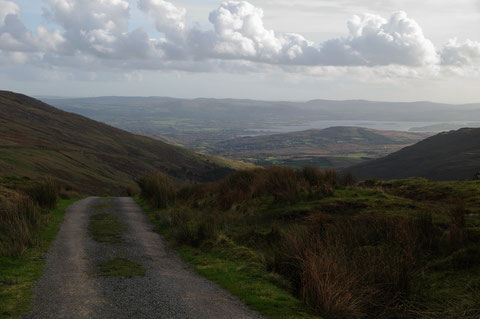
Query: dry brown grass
[[44, 193], [20, 220], [282, 183], [354, 268], [157, 189]]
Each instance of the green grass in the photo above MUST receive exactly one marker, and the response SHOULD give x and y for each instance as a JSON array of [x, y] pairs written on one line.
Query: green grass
[[121, 267], [259, 289], [239, 270], [106, 228], [18, 275], [408, 232]]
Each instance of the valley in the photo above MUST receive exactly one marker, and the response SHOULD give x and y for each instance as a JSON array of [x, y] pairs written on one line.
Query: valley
[[239, 159], [290, 240]]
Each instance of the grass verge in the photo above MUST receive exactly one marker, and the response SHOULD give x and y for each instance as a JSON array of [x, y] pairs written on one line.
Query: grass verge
[[121, 267], [238, 270], [106, 228], [18, 275]]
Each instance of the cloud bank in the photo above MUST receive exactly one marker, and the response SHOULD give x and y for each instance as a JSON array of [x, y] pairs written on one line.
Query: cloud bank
[[95, 34]]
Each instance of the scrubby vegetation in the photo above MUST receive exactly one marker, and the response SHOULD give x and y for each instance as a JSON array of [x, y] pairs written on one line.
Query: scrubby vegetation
[[401, 249], [24, 210], [157, 189], [20, 221]]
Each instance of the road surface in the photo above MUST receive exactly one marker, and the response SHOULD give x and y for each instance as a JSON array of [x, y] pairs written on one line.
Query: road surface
[[71, 286]]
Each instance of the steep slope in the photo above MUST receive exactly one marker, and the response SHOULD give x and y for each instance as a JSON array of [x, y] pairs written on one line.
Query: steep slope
[[453, 155], [332, 147], [38, 139]]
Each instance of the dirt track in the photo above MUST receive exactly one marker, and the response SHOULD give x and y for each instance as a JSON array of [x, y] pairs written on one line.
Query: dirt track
[[72, 288]]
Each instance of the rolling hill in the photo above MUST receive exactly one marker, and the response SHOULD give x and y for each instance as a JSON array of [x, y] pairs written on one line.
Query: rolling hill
[[39, 140], [453, 155], [335, 147], [200, 123]]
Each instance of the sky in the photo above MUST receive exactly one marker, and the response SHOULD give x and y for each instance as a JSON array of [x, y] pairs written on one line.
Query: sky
[[387, 50]]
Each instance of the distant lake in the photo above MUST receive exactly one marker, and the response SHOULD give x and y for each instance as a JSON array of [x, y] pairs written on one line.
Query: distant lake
[[377, 125]]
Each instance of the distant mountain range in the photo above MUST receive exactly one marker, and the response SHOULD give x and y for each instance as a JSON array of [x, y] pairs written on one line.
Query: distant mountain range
[[39, 140], [200, 123], [270, 111], [335, 147], [453, 155]]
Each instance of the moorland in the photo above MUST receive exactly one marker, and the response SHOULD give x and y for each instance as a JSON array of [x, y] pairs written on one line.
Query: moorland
[[289, 242]]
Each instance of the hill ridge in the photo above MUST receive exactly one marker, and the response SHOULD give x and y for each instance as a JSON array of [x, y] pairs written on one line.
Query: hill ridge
[[39, 139], [452, 155]]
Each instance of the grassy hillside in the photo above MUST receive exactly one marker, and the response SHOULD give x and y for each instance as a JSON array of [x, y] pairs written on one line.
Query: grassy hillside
[[39, 140], [401, 249], [336, 147], [452, 155]]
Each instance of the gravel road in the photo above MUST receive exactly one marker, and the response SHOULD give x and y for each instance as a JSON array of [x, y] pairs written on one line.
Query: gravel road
[[72, 288]]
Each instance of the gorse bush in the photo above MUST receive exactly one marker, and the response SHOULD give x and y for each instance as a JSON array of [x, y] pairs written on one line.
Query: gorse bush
[[157, 189], [20, 221]]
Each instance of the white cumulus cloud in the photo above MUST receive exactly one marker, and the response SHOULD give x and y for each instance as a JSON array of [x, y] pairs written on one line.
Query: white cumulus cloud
[[168, 18], [374, 41], [96, 33], [459, 54]]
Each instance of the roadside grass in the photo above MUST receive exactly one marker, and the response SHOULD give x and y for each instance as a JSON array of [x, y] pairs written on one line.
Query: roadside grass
[[121, 267], [18, 275], [106, 228], [392, 249], [236, 269], [258, 289]]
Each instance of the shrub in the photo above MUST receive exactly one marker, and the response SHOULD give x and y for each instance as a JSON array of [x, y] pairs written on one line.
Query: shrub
[[192, 228], [236, 188], [282, 183], [20, 220], [156, 189], [44, 193], [348, 179]]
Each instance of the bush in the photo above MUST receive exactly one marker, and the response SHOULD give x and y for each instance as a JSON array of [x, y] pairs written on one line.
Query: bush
[[192, 228], [156, 189], [282, 183], [348, 179], [20, 220], [44, 193]]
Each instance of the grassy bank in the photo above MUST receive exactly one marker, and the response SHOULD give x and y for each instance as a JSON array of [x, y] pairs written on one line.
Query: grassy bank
[[237, 269], [19, 274], [401, 249]]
